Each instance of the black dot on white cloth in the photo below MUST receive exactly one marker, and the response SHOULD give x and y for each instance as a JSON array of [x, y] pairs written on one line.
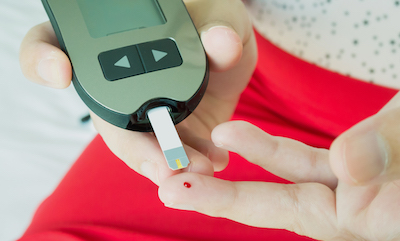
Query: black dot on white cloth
[[350, 38]]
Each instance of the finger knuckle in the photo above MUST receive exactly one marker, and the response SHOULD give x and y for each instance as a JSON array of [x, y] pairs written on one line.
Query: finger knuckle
[[292, 202]]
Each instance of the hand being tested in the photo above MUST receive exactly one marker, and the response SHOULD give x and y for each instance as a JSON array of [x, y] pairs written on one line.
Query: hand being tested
[[229, 42], [350, 192]]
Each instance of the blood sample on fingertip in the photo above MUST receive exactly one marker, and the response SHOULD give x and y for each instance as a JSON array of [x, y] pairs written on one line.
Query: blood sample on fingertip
[[187, 185]]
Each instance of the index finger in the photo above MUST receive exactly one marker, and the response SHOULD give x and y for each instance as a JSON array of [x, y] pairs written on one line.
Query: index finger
[[307, 209], [42, 61], [287, 158]]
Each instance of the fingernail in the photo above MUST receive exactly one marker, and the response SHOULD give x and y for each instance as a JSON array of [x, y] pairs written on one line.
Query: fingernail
[[219, 145], [48, 70], [210, 29], [225, 147], [187, 207], [150, 170], [229, 32], [366, 156]]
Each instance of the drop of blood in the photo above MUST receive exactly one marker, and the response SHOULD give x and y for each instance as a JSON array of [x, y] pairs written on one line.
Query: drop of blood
[[187, 185]]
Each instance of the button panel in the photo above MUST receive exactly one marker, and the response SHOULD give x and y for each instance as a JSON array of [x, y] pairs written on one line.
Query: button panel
[[140, 59]]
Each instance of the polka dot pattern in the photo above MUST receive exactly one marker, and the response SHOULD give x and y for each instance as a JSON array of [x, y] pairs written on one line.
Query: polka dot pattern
[[358, 38]]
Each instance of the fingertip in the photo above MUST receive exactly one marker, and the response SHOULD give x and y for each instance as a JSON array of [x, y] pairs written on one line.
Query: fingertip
[[198, 163], [54, 70], [220, 159], [226, 134], [221, 133], [356, 161], [224, 47], [41, 59], [172, 191], [195, 192], [337, 162], [202, 145]]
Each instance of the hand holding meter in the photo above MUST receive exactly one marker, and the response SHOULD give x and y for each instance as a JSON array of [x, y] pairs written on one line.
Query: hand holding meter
[[130, 56]]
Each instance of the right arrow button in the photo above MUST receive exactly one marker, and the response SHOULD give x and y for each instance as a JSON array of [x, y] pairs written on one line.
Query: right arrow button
[[159, 55]]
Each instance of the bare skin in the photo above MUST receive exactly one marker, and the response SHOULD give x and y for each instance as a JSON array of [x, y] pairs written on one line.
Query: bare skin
[[349, 192]]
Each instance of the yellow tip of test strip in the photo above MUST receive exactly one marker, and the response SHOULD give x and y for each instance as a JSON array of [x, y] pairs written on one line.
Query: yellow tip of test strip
[[168, 138]]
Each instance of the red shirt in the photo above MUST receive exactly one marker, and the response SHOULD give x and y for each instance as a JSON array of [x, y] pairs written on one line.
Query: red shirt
[[102, 199]]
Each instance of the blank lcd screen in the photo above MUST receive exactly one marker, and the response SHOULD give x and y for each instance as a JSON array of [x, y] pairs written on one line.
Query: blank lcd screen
[[106, 17]]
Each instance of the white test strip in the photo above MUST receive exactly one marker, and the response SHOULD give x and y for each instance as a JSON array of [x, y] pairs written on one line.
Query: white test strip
[[168, 138]]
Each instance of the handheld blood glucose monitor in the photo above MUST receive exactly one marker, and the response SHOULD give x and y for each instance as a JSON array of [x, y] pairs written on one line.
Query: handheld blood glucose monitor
[[129, 56], [132, 56]]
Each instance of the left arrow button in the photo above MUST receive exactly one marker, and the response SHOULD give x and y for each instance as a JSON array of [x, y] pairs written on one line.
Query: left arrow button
[[123, 62]]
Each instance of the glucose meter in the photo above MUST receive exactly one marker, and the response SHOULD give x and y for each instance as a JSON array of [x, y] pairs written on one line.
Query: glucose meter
[[130, 56]]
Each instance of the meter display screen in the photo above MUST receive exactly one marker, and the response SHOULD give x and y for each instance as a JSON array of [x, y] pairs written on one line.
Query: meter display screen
[[107, 17]]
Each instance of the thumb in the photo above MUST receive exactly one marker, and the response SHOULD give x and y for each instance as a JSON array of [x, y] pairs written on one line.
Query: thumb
[[369, 152], [223, 30]]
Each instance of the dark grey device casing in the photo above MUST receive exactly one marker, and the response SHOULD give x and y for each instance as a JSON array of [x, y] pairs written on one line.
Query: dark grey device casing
[[125, 102]]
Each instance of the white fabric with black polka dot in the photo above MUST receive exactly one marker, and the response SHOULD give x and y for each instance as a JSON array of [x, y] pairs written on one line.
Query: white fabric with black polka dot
[[359, 38]]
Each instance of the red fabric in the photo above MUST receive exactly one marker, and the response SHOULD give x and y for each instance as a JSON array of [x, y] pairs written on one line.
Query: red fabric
[[102, 199]]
